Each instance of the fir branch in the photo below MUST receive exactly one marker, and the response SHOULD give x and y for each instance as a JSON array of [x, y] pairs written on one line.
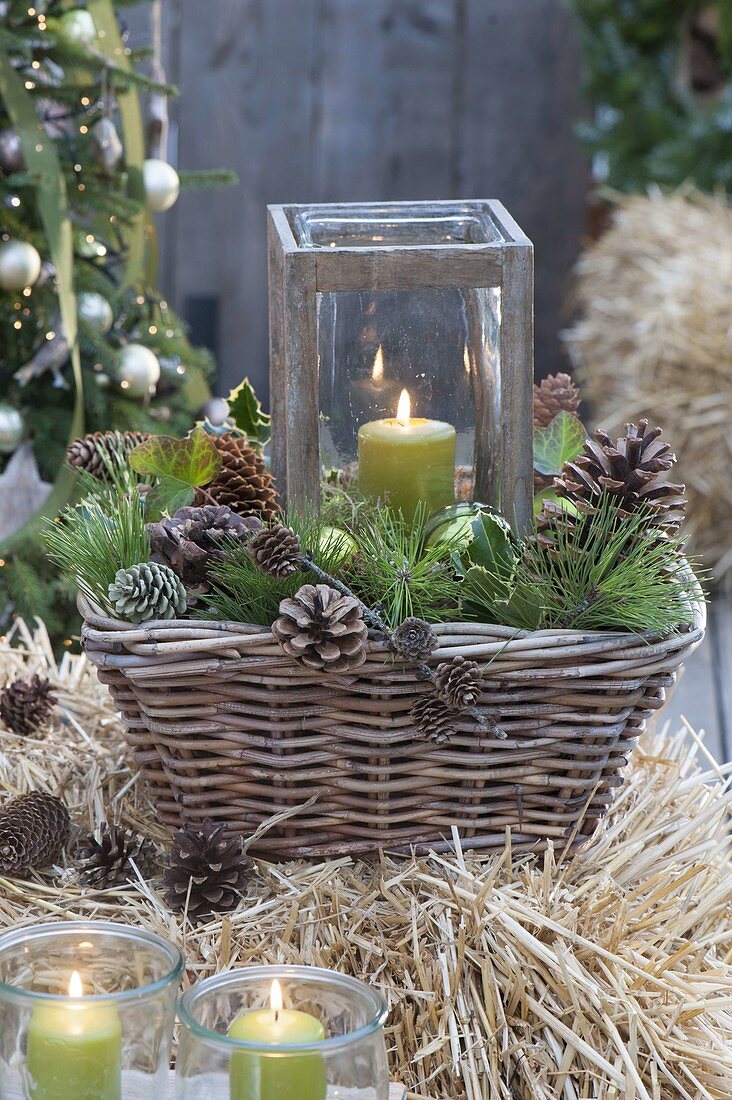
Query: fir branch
[[205, 180]]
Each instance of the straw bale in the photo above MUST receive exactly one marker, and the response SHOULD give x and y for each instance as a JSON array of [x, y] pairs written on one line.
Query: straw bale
[[603, 975], [653, 337]]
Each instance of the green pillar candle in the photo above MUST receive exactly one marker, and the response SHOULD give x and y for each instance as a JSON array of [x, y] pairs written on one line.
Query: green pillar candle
[[277, 1076], [406, 460], [74, 1050]]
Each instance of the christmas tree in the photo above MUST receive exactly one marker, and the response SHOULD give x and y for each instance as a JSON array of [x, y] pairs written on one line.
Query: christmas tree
[[86, 342]]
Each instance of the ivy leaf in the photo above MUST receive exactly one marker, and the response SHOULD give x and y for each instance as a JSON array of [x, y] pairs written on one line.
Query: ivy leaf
[[553, 498], [246, 411], [558, 443], [193, 461], [492, 545], [167, 497]]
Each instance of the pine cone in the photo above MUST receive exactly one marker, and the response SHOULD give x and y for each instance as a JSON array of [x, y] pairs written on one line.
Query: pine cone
[[208, 865], [243, 483], [277, 551], [191, 540], [95, 453], [147, 591], [458, 683], [554, 394], [322, 629], [627, 468], [106, 860], [26, 704], [414, 640], [435, 721], [34, 830]]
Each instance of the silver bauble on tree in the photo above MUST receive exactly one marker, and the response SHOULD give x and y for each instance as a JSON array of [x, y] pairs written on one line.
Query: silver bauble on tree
[[107, 148], [162, 184], [139, 370], [216, 411], [12, 428], [11, 154], [95, 311], [77, 25], [20, 265]]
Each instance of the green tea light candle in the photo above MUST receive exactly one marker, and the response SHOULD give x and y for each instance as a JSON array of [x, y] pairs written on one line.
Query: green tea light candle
[[279, 1075], [74, 1049], [405, 460]]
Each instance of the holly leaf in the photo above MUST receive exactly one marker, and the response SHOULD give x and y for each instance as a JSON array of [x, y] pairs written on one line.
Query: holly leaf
[[193, 461], [492, 545], [246, 411], [558, 443], [167, 497]]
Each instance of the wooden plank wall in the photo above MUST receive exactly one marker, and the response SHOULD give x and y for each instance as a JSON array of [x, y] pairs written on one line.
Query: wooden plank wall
[[326, 100]]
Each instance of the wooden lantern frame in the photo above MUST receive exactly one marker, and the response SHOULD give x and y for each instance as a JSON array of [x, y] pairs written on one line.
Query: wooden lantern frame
[[298, 274]]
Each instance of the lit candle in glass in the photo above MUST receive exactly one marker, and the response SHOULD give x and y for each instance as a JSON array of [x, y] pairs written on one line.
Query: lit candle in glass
[[405, 460], [279, 1075], [75, 1049]]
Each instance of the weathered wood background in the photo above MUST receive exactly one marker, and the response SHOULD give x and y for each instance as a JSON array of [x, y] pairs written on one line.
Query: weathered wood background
[[326, 100]]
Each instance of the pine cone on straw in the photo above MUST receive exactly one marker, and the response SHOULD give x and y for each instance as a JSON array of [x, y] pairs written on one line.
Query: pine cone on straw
[[34, 830], [191, 540], [414, 640], [205, 871], [276, 551], [106, 859], [628, 469], [554, 394], [243, 483], [434, 719], [147, 591], [26, 704], [322, 629], [458, 683], [95, 453]]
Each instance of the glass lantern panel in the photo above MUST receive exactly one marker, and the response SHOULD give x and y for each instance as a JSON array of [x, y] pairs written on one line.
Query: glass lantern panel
[[374, 226], [441, 346]]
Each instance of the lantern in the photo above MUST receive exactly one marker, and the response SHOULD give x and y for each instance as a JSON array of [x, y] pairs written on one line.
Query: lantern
[[401, 340]]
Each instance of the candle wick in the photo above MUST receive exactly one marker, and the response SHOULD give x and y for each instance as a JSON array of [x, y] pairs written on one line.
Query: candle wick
[[277, 1014]]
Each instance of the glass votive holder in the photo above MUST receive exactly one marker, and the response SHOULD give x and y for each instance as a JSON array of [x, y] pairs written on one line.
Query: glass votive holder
[[282, 1033], [86, 1012]]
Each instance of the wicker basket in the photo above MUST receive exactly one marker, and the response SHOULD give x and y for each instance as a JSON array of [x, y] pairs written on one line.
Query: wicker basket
[[223, 725]]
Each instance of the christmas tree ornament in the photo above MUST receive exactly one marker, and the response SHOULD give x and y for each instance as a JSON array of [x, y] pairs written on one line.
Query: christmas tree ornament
[[22, 490], [216, 411], [206, 873], [107, 858], [434, 719], [414, 640], [77, 26], [139, 370], [99, 451], [88, 247], [554, 394], [34, 830], [627, 468], [102, 380], [276, 551], [12, 428], [95, 311], [106, 145], [321, 628], [191, 541], [147, 591], [243, 483], [458, 683], [162, 184], [52, 356], [25, 705], [20, 265], [11, 154]]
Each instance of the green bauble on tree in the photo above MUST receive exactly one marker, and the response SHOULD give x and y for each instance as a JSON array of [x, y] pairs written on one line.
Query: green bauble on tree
[[84, 331]]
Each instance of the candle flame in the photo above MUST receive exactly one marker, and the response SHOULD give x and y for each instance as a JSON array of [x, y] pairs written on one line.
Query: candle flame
[[377, 374], [75, 987], [276, 996], [404, 409]]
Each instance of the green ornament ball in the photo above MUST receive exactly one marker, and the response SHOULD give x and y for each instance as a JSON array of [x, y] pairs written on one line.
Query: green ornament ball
[[95, 311], [20, 265], [454, 523], [12, 428], [77, 25], [337, 544]]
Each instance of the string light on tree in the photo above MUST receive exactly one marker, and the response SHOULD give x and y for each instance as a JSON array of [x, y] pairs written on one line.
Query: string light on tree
[[139, 370], [20, 265], [162, 184]]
